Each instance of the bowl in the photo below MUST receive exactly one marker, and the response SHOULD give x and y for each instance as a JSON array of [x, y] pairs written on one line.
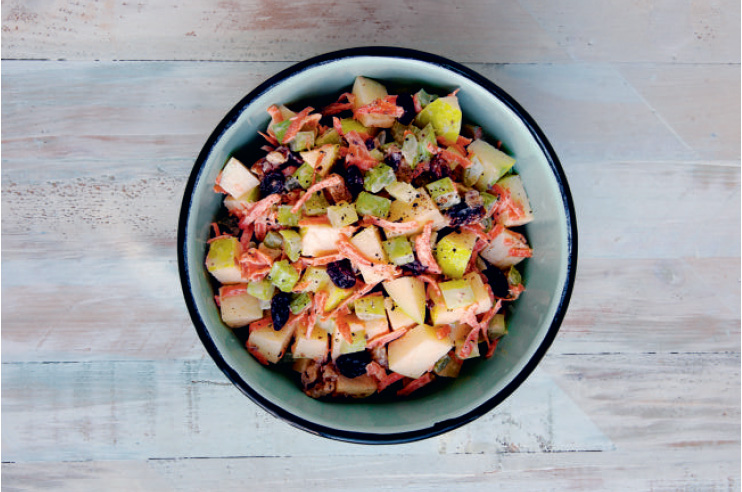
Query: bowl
[[548, 275]]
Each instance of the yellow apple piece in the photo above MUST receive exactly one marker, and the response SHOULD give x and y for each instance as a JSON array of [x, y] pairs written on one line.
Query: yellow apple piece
[[408, 293], [239, 310], [415, 352]]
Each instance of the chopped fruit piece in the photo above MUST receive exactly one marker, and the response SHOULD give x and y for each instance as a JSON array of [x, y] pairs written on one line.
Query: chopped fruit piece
[[287, 218], [236, 179], [319, 239], [516, 209], [302, 141], [369, 204], [441, 315], [445, 115], [399, 250], [402, 191], [500, 250], [291, 243], [261, 289], [457, 293], [368, 242], [321, 159], [370, 307], [341, 215], [336, 295], [304, 175], [316, 205], [397, 318], [314, 279], [314, 346], [358, 387], [283, 275], [421, 210], [221, 260], [270, 344], [409, 294], [341, 346], [417, 351], [495, 163], [444, 193], [454, 251], [238, 309]]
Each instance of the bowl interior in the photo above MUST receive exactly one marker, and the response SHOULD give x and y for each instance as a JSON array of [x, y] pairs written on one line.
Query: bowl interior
[[482, 384]]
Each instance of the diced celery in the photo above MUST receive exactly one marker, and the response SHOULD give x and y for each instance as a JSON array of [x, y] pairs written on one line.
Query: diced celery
[[286, 218], [315, 278], [261, 289], [497, 327], [425, 137], [302, 141], [444, 193], [399, 250], [397, 131], [424, 98], [369, 204], [349, 124], [316, 205], [273, 240], [410, 150], [279, 129], [370, 307], [331, 136], [448, 366], [489, 200], [304, 175], [457, 293], [514, 277], [378, 177], [341, 215], [300, 302], [283, 275], [291, 243], [402, 191]]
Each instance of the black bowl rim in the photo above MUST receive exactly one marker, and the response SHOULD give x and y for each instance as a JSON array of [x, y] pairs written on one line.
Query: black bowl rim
[[439, 427]]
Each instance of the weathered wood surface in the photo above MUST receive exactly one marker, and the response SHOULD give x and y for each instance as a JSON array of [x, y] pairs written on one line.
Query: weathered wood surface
[[105, 385]]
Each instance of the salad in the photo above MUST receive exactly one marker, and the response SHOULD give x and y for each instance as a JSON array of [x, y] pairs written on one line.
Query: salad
[[373, 244]]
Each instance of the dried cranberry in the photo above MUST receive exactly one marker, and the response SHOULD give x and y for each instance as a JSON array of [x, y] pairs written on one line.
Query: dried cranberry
[[354, 180], [414, 268], [341, 274], [439, 168], [405, 101], [354, 364], [280, 309], [370, 143], [498, 282], [462, 214], [393, 159], [273, 182]]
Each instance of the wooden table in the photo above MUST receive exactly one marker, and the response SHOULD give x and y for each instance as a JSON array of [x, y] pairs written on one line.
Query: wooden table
[[105, 106]]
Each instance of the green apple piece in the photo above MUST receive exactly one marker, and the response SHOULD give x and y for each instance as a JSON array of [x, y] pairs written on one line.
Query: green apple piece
[[273, 240], [280, 128], [342, 214], [415, 352], [444, 193], [287, 218], [270, 343], [221, 260], [421, 210], [411, 150], [316, 205], [497, 327], [378, 177], [368, 242], [239, 310], [495, 163], [261, 289], [351, 125], [457, 293], [409, 294], [424, 98], [489, 200], [397, 318], [304, 175], [402, 191], [448, 366], [321, 159], [319, 239], [291, 243], [369, 204], [283, 275], [370, 307], [315, 278], [331, 136], [372, 327], [445, 115], [236, 179], [335, 295], [498, 250], [341, 346], [399, 250], [521, 213], [302, 141], [233, 204], [440, 314], [361, 386], [314, 346], [453, 253]]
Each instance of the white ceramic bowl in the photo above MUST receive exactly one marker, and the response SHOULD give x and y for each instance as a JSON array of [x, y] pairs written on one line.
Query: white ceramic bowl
[[548, 276]]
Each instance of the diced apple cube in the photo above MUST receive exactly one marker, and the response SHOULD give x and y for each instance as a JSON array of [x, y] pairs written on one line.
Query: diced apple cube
[[367, 91], [236, 179], [221, 260], [495, 163], [520, 213], [499, 249], [319, 240], [372, 328], [240, 309], [453, 252], [270, 343], [368, 242], [422, 210], [397, 318], [409, 294], [321, 159], [314, 347], [358, 387], [417, 351], [340, 345], [441, 315]]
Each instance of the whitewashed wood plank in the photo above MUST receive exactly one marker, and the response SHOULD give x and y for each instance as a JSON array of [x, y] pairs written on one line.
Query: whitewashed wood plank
[[677, 469], [645, 30], [258, 30], [143, 410]]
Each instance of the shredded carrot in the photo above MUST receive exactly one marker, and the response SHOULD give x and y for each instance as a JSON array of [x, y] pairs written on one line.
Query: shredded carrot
[[341, 321], [416, 384], [339, 106], [358, 154], [454, 92], [433, 284], [263, 322], [361, 290], [376, 371], [232, 290], [491, 349], [520, 252], [276, 115], [451, 156], [424, 250], [259, 209], [270, 138], [257, 274], [319, 220], [385, 106], [297, 122], [470, 341], [331, 180], [395, 227], [442, 331], [320, 298], [416, 103], [381, 340]]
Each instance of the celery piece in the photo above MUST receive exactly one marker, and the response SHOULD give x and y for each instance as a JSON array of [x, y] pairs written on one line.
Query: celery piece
[[331, 136], [489, 200], [426, 138], [376, 154], [279, 129], [369, 204], [370, 307], [448, 366], [410, 150], [444, 193], [304, 175], [514, 277], [497, 327], [378, 177], [349, 124], [287, 218], [283, 275], [316, 205], [315, 278], [291, 243], [399, 250], [273, 240], [402, 191], [261, 289], [424, 98], [457, 293], [299, 302], [397, 130], [302, 141], [341, 215]]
